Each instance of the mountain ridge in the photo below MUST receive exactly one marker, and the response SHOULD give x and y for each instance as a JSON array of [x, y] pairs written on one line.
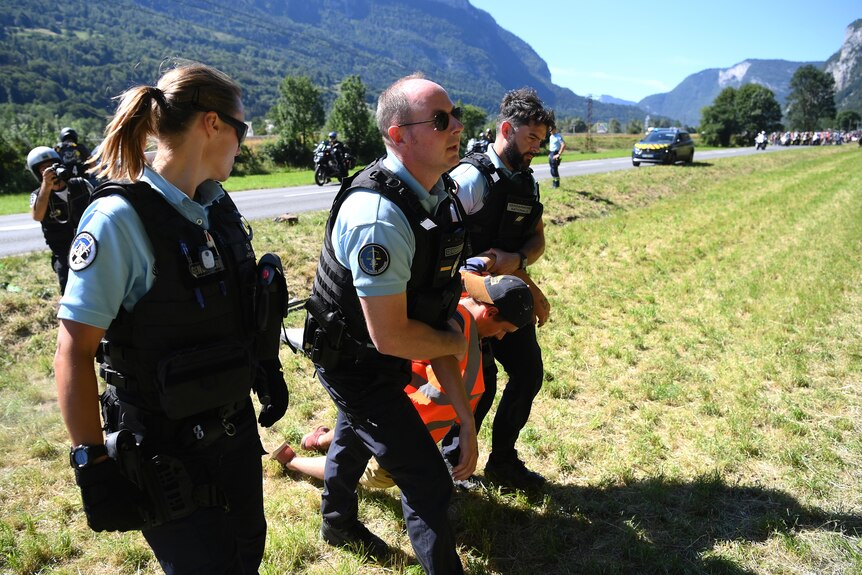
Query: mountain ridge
[[76, 56], [700, 89], [79, 55]]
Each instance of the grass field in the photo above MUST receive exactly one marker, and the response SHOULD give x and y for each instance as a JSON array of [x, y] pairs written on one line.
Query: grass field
[[700, 411]]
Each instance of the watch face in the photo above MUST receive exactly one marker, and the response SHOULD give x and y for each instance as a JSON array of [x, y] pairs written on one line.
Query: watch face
[[81, 456]]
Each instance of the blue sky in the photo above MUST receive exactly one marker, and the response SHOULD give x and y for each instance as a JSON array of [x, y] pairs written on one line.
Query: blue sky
[[614, 47]]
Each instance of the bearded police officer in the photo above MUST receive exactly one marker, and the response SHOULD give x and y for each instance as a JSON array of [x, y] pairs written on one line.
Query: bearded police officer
[[501, 198], [386, 285]]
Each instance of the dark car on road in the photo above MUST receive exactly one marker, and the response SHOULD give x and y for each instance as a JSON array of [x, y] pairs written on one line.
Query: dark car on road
[[664, 146]]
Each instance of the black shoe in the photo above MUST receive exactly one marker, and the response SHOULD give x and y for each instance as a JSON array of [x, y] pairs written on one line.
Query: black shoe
[[356, 535], [512, 473]]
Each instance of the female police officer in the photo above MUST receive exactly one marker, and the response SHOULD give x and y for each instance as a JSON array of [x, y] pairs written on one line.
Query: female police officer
[[164, 275]]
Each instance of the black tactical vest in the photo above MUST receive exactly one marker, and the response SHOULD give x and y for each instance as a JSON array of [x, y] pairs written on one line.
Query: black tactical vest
[[434, 287], [511, 208], [187, 347], [62, 217]]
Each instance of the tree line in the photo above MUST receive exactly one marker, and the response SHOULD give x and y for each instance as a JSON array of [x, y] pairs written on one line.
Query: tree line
[[736, 116]]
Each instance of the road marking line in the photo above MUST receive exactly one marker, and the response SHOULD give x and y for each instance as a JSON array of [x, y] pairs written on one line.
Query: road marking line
[[308, 194], [18, 228]]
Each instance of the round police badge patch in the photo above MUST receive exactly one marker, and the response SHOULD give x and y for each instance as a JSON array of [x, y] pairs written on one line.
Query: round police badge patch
[[373, 259], [83, 251]]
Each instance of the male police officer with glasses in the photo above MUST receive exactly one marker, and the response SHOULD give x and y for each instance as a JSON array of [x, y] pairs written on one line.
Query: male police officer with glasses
[[386, 285], [498, 191]]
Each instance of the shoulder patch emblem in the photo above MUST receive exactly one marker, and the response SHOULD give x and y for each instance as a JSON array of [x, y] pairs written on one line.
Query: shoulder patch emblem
[[373, 259], [83, 251]]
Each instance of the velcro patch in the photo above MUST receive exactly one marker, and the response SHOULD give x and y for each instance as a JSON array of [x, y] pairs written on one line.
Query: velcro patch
[[373, 259], [83, 251]]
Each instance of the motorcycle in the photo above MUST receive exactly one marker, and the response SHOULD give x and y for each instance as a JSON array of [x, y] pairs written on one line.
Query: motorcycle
[[760, 142], [328, 166]]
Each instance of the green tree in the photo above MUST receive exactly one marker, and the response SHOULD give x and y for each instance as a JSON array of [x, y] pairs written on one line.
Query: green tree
[[718, 121], [351, 117], [811, 103], [756, 110], [298, 114], [579, 126], [474, 119], [635, 127], [848, 120], [614, 126]]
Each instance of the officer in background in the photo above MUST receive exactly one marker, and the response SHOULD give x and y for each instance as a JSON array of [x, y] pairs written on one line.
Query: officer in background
[[556, 147], [164, 286], [57, 204], [501, 198], [72, 154], [386, 286]]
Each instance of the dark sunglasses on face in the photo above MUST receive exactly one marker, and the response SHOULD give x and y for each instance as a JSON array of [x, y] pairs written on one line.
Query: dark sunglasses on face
[[241, 128], [440, 119]]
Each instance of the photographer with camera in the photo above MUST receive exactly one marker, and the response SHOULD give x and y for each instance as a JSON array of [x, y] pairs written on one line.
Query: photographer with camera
[[57, 204]]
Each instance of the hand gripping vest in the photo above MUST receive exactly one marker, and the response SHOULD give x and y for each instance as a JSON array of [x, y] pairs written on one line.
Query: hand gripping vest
[[335, 325], [510, 212], [61, 218], [188, 345]]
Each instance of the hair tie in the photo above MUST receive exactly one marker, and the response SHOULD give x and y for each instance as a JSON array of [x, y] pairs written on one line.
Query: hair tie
[[159, 96]]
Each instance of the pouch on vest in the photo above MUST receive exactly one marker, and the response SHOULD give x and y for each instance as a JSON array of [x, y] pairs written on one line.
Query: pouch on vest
[[324, 334], [203, 378], [170, 490], [520, 217]]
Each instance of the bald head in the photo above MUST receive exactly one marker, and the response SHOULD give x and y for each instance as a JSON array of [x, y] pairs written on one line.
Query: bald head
[[420, 127], [398, 101]]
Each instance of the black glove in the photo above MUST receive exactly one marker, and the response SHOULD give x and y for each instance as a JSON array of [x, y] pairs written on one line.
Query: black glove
[[111, 502], [272, 380]]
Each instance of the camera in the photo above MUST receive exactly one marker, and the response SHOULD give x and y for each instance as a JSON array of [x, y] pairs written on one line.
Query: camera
[[65, 172]]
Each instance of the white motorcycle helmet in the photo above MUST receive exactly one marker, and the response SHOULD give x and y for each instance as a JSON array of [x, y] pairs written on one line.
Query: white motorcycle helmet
[[37, 156]]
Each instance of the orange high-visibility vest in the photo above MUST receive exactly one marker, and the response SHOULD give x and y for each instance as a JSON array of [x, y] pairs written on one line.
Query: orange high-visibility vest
[[427, 394]]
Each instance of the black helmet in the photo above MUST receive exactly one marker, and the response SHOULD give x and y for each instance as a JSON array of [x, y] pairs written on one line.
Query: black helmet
[[68, 134]]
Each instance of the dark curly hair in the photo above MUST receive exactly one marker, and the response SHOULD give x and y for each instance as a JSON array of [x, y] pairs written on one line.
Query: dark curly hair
[[523, 106]]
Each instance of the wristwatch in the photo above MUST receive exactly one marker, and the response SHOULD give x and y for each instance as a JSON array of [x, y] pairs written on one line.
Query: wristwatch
[[82, 456], [523, 265]]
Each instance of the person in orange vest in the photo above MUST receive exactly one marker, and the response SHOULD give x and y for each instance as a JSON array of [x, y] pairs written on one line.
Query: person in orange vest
[[490, 307]]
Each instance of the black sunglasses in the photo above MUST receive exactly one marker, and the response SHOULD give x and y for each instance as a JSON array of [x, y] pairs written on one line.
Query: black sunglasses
[[440, 119], [241, 128]]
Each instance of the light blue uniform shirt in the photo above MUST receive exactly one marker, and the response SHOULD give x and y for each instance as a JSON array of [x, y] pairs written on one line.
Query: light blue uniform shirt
[[120, 271], [555, 142], [370, 225]]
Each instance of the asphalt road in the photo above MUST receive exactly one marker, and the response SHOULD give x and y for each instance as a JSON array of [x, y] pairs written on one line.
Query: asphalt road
[[19, 234]]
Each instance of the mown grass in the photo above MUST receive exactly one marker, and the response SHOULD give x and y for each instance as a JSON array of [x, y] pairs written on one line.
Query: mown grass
[[700, 412]]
